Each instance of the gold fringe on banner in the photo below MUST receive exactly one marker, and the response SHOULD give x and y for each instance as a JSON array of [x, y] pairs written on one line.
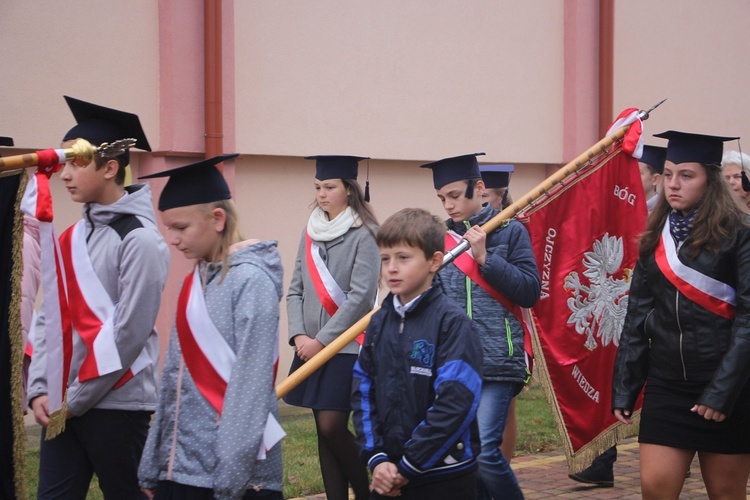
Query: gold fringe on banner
[[581, 459], [16, 344]]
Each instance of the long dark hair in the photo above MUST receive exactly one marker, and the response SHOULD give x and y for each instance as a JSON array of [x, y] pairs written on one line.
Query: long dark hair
[[356, 200], [717, 219]]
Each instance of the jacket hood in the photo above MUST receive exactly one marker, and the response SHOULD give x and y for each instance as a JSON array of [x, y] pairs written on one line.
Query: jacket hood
[[138, 201], [263, 255]]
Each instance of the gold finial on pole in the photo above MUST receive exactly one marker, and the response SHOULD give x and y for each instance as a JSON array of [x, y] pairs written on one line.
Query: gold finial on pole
[[81, 152]]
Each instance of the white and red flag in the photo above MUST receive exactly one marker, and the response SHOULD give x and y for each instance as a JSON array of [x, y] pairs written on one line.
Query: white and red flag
[[585, 240], [58, 334]]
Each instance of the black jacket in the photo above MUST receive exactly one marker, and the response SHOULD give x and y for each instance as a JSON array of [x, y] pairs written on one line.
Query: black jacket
[[670, 337], [416, 390]]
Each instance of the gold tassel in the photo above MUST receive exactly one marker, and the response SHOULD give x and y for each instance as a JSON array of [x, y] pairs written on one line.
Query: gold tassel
[[56, 424], [16, 346], [608, 438]]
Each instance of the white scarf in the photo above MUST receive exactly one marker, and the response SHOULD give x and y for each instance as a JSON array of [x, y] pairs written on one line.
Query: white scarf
[[321, 229]]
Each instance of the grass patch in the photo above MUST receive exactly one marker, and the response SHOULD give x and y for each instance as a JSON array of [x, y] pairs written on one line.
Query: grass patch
[[537, 433], [300, 454]]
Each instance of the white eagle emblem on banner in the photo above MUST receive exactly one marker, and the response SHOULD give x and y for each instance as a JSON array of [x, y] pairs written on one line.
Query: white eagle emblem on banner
[[599, 307]]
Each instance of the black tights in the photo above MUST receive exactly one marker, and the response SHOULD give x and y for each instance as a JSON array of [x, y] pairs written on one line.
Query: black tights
[[339, 459]]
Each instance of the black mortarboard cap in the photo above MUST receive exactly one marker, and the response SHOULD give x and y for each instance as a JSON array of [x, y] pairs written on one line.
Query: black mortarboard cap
[[336, 166], [654, 157], [193, 184], [6, 141], [98, 124], [455, 168], [685, 147], [496, 176]]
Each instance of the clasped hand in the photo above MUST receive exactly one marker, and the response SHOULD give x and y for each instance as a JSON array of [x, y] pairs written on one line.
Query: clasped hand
[[307, 347], [386, 480]]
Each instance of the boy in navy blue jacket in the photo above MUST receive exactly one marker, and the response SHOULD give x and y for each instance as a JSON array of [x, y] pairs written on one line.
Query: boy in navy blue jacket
[[417, 382]]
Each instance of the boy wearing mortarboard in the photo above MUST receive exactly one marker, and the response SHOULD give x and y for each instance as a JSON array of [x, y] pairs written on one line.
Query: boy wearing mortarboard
[[502, 268], [115, 262]]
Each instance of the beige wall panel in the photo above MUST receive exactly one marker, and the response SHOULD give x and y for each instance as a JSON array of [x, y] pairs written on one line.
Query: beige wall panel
[[104, 51], [413, 80], [693, 52]]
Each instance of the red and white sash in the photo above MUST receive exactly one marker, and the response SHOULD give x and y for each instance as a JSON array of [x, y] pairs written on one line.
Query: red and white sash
[[208, 356], [467, 265], [712, 294], [329, 292], [94, 313]]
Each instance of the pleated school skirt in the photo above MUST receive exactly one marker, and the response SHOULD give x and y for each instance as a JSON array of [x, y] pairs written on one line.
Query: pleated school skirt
[[328, 388], [666, 419]]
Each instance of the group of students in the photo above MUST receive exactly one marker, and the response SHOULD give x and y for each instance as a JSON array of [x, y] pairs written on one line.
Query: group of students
[[432, 380]]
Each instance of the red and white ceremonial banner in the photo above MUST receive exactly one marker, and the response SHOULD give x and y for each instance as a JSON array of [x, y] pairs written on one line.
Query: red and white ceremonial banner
[[37, 203], [585, 240]]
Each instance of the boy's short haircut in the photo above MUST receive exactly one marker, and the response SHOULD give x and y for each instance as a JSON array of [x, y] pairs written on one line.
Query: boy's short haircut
[[414, 227], [121, 173]]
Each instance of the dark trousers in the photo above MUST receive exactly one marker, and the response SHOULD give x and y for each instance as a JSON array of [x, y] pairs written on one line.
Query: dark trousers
[[168, 490], [606, 459], [458, 488], [108, 443]]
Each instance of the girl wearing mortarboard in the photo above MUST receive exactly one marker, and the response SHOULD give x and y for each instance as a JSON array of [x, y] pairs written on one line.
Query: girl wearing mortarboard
[[334, 284], [686, 336], [217, 393]]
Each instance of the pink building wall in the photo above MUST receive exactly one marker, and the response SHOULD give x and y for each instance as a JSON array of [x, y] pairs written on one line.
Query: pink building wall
[[402, 82]]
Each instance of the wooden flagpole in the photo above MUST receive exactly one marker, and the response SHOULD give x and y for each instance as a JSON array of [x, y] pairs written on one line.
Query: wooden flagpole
[[542, 189]]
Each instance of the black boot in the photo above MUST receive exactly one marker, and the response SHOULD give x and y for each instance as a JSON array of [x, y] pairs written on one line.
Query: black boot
[[600, 472]]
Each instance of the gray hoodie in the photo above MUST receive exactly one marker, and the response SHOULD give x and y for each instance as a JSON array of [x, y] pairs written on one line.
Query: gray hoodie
[[133, 270], [188, 443]]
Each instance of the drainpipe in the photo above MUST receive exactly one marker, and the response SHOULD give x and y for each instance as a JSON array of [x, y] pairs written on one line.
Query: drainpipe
[[214, 131], [606, 64]]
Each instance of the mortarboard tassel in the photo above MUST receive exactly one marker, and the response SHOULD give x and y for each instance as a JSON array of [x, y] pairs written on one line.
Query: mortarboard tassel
[[367, 183], [470, 189], [745, 180]]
